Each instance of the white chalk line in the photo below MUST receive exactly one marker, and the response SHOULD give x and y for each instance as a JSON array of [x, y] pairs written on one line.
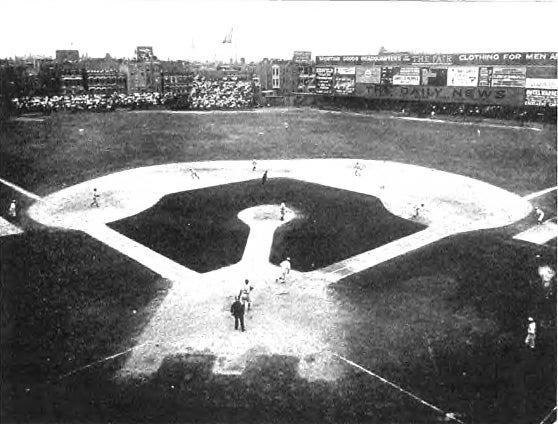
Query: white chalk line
[[539, 193], [21, 190], [399, 388]]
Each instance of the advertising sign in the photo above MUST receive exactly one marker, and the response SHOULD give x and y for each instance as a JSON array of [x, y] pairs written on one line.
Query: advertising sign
[[345, 70], [536, 97], [144, 53], [344, 85], [435, 77], [368, 74], [463, 76], [509, 58], [407, 76], [544, 83], [485, 76], [387, 73], [324, 80], [508, 76], [471, 95], [302, 56]]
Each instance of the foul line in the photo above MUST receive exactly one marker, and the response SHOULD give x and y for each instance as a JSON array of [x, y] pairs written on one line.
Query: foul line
[[21, 190], [447, 415], [539, 193]]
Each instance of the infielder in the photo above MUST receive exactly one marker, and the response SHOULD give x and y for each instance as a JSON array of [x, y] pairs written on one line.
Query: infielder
[[194, 174], [358, 169], [285, 270], [283, 211], [244, 294], [95, 201]]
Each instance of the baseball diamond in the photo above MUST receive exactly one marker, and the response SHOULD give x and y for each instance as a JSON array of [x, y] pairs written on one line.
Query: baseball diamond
[[406, 299]]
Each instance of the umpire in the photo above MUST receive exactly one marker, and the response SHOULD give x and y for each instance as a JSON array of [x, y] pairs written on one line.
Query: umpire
[[237, 310]]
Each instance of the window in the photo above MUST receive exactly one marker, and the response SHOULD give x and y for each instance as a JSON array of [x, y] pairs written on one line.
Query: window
[[275, 77]]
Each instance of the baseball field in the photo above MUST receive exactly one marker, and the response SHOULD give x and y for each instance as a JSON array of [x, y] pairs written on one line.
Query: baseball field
[[408, 297]]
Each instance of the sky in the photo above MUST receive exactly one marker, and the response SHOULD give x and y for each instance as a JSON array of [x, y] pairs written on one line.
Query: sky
[[194, 30]]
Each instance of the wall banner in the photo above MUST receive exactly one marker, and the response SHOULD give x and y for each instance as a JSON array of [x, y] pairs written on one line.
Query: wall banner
[[407, 76], [475, 95]]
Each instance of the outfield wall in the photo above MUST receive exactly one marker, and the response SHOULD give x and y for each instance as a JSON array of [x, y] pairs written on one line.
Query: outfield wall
[[511, 79]]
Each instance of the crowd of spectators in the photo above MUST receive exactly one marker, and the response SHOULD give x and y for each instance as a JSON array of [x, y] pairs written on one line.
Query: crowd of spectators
[[206, 94], [221, 94], [89, 102]]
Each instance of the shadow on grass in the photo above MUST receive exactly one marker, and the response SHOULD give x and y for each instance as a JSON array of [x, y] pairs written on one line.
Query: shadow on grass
[[67, 300]]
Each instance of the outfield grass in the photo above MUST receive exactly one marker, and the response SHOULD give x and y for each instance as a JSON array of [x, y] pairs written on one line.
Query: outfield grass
[[46, 156]]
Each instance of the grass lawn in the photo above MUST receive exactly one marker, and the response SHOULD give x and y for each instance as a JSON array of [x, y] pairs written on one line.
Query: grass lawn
[[43, 157], [334, 224]]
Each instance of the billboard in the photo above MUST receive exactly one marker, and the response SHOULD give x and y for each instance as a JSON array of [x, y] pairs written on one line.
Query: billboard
[[508, 76], [537, 97], [471, 95], [345, 70], [435, 77], [463, 76], [501, 58], [302, 56], [67, 55], [485, 76], [324, 80], [407, 75], [368, 74], [144, 53], [544, 83]]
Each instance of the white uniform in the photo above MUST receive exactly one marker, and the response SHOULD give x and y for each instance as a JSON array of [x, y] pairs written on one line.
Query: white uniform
[[285, 269], [12, 209], [531, 333], [540, 215]]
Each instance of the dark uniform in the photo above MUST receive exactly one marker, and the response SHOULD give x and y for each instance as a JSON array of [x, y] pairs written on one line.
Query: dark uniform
[[237, 310], [264, 178]]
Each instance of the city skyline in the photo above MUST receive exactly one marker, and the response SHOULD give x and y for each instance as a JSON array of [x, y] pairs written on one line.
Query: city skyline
[[194, 30]]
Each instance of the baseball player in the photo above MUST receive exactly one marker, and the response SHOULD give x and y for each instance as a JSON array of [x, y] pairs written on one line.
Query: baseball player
[[244, 294], [531, 333], [540, 215], [417, 210], [12, 211], [194, 174], [283, 211], [264, 177], [95, 201], [285, 270], [358, 169], [254, 164]]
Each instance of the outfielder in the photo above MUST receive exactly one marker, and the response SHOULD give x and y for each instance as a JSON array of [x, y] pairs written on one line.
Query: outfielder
[[358, 169], [12, 211], [531, 333]]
